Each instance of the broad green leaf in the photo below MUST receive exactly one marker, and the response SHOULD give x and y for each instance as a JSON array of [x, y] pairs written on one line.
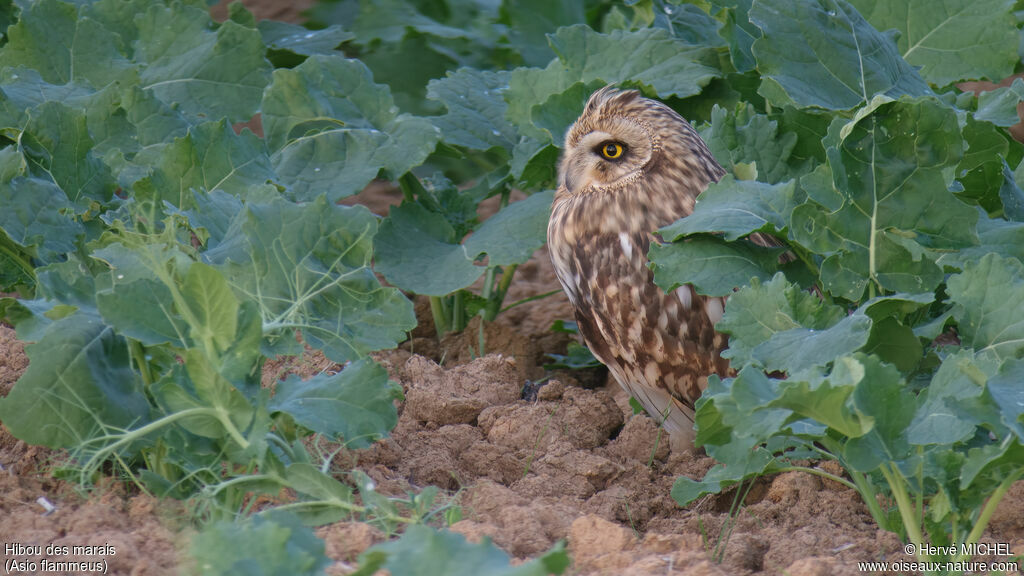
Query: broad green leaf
[[980, 172], [142, 309], [330, 129], [556, 114], [308, 269], [989, 298], [714, 267], [417, 250], [801, 348], [737, 208], [530, 21], [995, 236], [757, 312], [950, 40], [209, 157], [744, 136], [1011, 196], [1008, 395], [36, 213], [294, 38], [827, 399], [887, 201], [649, 57], [58, 147], [739, 32], [719, 478], [940, 417], [212, 307], [476, 109], [999, 106], [86, 50], [208, 74], [79, 380], [274, 544], [356, 404], [882, 398], [894, 342], [690, 24], [823, 53], [424, 551]]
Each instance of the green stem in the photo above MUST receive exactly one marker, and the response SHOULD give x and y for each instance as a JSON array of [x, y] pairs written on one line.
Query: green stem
[[18, 258], [440, 318], [138, 352], [494, 305], [990, 507], [530, 299], [410, 186], [823, 474], [905, 507], [458, 312]]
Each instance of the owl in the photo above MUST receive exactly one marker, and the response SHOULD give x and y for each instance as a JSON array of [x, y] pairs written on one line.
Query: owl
[[630, 166]]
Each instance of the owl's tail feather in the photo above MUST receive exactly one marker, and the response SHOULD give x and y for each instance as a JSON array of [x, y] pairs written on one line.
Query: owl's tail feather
[[675, 416]]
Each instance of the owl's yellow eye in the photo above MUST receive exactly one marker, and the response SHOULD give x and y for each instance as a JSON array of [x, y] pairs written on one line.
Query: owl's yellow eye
[[612, 150]]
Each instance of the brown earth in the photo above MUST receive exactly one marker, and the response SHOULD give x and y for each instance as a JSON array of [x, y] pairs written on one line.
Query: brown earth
[[571, 464]]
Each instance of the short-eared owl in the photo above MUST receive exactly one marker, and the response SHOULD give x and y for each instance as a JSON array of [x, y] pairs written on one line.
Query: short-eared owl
[[630, 166]]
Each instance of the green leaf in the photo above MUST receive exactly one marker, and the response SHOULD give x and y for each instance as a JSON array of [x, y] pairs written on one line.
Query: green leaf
[[209, 157], [330, 129], [827, 399], [530, 21], [887, 201], [980, 172], [801, 348], [690, 24], [294, 38], [649, 57], [355, 404], [995, 236], [988, 294], [880, 397], [275, 544], [714, 267], [476, 109], [79, 380], [758, 313], [737, 208], [823, 53], [58, 147], [207, 73], [739, 32], [941, 417], [86, 50], [719, 478], [999, 106], [1006, 392], [577, 357], [423, 551], [35, 214], [950, 40], [212, 307], [745, 136], [417, 249], [308, 268]]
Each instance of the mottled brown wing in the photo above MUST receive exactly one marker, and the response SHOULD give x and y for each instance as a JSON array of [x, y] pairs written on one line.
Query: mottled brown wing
[[660, 347]]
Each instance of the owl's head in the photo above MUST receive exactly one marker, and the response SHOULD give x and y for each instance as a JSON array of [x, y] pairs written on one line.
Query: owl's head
[[621, 136]]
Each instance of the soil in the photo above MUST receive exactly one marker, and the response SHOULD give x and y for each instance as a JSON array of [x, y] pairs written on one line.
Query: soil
[[570, 463]]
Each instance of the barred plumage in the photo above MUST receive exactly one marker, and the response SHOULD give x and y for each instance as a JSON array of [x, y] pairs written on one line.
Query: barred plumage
[[660, 347]]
